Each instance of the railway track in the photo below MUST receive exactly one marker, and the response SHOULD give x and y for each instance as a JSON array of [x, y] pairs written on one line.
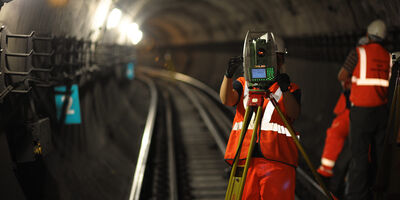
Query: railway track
[[184, 159]]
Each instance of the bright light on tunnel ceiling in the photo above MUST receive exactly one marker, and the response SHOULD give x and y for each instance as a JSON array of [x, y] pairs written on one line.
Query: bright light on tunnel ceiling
[[57, 3], [123, 26], [101, 13], [114, 18], [134, 33]]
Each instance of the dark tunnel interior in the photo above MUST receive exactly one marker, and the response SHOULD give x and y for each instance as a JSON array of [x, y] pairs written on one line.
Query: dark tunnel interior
[[60, 43]]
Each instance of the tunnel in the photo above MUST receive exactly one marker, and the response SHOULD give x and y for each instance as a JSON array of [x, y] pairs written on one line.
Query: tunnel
[[120, 99]]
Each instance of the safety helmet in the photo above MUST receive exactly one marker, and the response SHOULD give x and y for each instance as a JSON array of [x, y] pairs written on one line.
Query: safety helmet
[[377, 28]]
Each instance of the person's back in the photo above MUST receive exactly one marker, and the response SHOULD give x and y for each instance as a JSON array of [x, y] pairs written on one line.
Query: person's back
[[368, 67], [370, 76]]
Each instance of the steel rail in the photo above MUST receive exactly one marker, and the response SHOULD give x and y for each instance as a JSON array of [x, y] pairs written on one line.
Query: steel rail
[[206, 118], [196, 83], [190, 81], [183, 78], [173, 185], [146, 141]]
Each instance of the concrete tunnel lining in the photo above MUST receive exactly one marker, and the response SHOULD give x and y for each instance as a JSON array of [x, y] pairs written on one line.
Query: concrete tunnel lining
[[201, 36]]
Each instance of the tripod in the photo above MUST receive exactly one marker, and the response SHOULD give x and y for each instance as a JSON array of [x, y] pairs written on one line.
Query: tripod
[[239, 172]]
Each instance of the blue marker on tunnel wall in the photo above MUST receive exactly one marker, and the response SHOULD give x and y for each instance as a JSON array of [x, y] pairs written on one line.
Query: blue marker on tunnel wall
[[73, 112], [130, 72]]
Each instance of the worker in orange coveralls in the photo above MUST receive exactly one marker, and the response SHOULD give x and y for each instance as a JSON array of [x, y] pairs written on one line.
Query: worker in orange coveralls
[[339, 130], [271, 173], [336, 135]]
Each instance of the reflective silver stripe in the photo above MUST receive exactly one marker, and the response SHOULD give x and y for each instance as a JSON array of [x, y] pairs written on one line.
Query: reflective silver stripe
[[237, 126], [270, 107], [363, 80], [363, 63], [265, 123], [276, 128], [325, 169], [245, 94], [327, 162], [370, 81], [265, 127]]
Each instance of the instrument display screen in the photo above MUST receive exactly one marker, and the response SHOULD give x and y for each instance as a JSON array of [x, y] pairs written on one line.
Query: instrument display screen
[[258, 73]]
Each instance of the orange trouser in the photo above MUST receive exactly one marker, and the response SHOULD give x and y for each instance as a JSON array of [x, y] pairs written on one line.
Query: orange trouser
[[336, 135], [269, 180]]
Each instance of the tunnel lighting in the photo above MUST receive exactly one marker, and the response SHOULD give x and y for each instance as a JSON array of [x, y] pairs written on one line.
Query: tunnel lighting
[[114, 18], [123, 26], [57, 3], [137, 37], [101, 13], [134, 33]]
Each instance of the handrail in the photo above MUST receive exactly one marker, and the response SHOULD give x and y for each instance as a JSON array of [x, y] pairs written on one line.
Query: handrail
[[146, 141]]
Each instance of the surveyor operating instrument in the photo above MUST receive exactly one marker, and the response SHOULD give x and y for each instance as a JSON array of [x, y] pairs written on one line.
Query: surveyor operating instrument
[[260, 71]]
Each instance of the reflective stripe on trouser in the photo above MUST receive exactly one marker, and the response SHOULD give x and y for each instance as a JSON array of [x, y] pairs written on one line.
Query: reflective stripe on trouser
[[269, 180], [335, 138], [325, 171]]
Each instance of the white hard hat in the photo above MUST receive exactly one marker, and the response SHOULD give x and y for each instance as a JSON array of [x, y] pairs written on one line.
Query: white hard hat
[[377, 28]]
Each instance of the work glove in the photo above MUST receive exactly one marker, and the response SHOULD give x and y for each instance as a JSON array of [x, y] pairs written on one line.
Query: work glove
[[233, 64], [283, 82]]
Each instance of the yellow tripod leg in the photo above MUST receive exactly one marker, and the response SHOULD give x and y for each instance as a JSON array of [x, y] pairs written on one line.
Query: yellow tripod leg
[[238, 177], [250, 152], [301, 149], [232, 178]]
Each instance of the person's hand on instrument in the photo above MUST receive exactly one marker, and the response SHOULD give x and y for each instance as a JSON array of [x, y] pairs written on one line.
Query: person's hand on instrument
[[233, 64], [283, 82]]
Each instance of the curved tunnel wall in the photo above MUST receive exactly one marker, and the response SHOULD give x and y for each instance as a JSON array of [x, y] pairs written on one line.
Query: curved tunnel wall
[[318, 36], [200, 37]]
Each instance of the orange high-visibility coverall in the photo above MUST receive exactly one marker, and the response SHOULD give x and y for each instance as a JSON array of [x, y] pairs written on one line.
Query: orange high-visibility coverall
[[335, 137], [271, 175]]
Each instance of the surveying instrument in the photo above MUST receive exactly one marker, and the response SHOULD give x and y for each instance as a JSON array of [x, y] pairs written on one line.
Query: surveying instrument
[[260, 71]]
